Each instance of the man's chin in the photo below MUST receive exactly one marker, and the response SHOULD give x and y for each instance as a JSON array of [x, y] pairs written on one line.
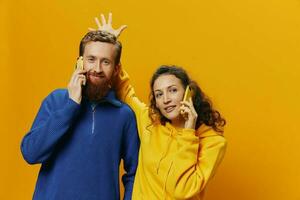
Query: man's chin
[[95, 92]]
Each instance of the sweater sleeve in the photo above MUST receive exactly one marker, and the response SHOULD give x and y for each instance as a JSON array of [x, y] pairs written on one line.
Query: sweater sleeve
[[194, 163], [130, 150], [126, 93], [48, 127]]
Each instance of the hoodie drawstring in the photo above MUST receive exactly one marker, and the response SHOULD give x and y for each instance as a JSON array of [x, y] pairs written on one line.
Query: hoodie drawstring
[[165, 152]]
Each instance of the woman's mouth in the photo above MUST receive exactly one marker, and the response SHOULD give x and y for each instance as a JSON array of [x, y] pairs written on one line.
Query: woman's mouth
[[169, 109]]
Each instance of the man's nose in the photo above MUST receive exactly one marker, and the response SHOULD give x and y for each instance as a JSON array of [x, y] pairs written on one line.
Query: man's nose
[[98, 67]]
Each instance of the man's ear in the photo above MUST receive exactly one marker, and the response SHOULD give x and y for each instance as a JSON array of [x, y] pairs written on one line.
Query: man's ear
[[117, 69], [115, 75]]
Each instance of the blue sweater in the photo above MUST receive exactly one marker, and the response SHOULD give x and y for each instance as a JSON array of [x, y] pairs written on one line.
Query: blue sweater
[[80, 148]]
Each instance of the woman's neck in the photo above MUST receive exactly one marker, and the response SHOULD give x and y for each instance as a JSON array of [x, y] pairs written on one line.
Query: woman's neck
[[178, 122]]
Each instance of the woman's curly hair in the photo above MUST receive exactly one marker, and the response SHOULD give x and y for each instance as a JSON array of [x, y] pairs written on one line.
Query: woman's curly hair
[[203, 106]]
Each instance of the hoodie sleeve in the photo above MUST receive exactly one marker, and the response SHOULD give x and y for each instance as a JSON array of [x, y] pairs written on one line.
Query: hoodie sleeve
[[130, 151], [195, 163], [126, 93], [50, 124]]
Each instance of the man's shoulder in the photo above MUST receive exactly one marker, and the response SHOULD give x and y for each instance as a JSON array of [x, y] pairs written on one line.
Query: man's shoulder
[[125, 109], [59, 91], [57, 96]]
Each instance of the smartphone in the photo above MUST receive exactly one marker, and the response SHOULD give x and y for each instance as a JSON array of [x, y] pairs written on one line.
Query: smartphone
[[79, 63], [188, 93]]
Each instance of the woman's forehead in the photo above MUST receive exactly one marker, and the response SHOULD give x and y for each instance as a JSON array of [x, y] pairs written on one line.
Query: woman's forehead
[[165, 81]]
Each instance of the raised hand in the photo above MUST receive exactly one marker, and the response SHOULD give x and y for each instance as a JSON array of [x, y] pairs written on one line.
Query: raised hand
[[107, 26]]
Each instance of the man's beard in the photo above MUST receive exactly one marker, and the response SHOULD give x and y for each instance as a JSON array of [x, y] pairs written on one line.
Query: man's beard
[[96, 91]]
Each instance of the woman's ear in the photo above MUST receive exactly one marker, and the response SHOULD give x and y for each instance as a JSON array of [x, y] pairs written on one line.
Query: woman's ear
[[156, 104], [153, 98]]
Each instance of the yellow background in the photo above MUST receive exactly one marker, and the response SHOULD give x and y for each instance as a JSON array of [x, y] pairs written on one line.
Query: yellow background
[[244, 54]]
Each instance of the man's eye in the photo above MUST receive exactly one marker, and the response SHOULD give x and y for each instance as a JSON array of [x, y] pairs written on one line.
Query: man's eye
[[106, 62], [173, 90]]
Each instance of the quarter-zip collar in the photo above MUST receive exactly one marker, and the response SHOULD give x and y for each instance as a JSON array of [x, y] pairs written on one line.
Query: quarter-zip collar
[[110, 97]]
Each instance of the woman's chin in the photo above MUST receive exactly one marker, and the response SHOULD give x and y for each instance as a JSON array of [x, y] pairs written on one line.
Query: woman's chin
[[172, 116]]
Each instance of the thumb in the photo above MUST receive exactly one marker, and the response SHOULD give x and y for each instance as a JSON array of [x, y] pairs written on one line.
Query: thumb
[[121, 29]]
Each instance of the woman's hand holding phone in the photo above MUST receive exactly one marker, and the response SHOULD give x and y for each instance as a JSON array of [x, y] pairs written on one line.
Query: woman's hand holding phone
[[187, 109]]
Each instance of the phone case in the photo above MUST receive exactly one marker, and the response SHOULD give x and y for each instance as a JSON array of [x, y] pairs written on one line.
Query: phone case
[[188, 93], [79, 63]]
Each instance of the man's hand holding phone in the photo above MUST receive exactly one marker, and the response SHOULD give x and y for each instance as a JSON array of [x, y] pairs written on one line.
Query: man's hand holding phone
[[77, 80]]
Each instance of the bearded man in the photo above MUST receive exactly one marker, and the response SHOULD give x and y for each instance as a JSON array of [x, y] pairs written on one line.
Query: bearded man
[[80, 134]]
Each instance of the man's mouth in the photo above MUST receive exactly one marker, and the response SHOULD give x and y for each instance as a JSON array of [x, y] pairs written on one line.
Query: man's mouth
[[96, 76]]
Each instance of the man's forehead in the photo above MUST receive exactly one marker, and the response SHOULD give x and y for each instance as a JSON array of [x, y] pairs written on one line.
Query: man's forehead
[[97, 48], [99, 44]]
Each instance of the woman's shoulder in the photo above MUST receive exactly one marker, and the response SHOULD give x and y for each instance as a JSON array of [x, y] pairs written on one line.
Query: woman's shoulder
[[205, 131]]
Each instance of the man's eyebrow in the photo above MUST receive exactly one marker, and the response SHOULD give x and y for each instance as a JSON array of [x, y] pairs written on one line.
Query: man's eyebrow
[[172, 86]]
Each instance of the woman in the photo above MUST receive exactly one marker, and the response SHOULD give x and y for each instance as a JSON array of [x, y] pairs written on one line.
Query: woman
[[181, 141]]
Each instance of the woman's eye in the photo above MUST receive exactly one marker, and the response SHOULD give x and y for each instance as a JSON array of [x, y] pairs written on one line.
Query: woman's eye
[[157, 95]]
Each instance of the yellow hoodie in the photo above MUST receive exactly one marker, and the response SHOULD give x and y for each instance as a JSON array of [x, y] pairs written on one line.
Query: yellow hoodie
[[173, 163]]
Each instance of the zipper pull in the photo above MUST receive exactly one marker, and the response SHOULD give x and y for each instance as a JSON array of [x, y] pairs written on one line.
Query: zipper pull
[[93, 122]]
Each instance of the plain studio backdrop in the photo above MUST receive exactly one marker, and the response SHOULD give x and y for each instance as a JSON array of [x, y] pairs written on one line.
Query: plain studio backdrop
[[244, 54]]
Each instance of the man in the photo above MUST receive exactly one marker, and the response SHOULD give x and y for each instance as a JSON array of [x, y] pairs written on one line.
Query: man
[[81, 134]]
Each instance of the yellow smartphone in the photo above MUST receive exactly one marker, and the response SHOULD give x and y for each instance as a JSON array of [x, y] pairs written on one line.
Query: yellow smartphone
[[79, 64], [188, 93]]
